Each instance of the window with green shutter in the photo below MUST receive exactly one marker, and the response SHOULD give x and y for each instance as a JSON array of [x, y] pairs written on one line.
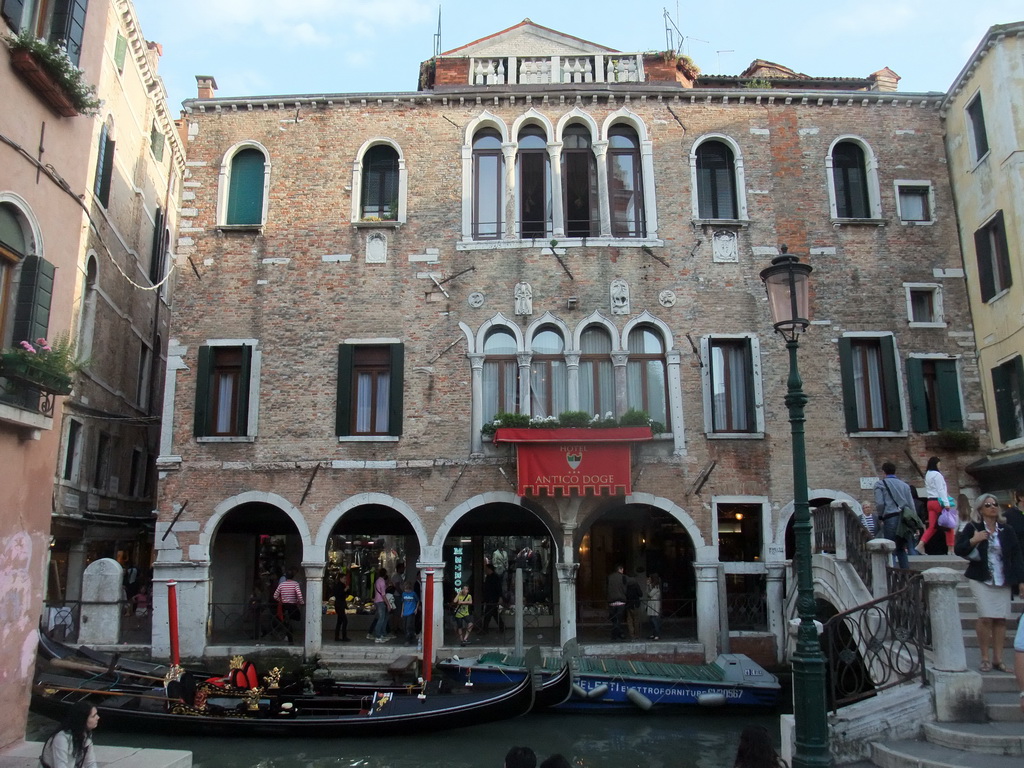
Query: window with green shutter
[[104, 165], [156, 142], [120, 51], [934, 390], [1008, 390], [871, 400], [993, 255], [245, 188], [222, 391], [35, 296], [370, 390]]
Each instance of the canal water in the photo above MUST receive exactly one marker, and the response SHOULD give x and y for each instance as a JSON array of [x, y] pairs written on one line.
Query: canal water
[[703, 739]]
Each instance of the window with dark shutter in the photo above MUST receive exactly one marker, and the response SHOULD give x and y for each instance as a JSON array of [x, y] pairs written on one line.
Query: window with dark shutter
[[370, 390], [994, 273], [245, 188], [870, 391], [104, 165], [120, 51], [716, 181], [976, 127], [1008, 391], [222, 391], [934, 391], [849, 172]]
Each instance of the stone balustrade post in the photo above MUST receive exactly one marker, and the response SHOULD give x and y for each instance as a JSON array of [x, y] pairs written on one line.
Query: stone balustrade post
[[881, 555], [839, 510], [958, 690]]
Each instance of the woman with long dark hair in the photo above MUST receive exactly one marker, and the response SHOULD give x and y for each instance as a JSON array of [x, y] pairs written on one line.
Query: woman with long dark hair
[[756, 749], [938, 499], [70, 746]]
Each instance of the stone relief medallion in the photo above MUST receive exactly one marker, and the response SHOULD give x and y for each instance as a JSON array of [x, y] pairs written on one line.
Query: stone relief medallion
[[724, 246], [476, 299], [376, 248], [667, 298]]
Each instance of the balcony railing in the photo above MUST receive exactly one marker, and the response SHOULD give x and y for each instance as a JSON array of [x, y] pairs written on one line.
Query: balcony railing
[[542, 70]]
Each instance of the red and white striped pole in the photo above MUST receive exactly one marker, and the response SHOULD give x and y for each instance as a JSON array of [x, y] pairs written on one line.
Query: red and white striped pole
[[428, 625]]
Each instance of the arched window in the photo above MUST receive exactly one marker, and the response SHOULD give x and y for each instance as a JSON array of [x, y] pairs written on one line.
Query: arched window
[[549, 393], [501, 374], [488, 184], [13, 248], [533, 183], [104, 163], [850, 181], [246, 188], [646, 379], [625, 182], [597, 381], [579, 179], [716, 181], [380, 183]]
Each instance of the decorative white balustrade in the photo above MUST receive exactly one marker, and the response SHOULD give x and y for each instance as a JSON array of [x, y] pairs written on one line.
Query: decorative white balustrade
[[599, 68]]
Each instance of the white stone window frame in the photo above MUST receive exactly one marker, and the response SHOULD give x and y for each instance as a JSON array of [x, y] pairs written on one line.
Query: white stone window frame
[[972, 140], [937, 306], [673, 360], [599, 134], [357, 184], [871, 174], [255, 368], [745, 567], [739, 179], [901, 387], [900, 184], [224, 185], [75, 450], [707, 395]]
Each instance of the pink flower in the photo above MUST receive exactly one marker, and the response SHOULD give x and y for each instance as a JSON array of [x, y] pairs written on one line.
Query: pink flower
[[28, 347], [44, 344]]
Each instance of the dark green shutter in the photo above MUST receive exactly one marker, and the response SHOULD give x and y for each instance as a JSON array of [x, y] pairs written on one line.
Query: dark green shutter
[[156, 142], [846, 373], [156, 252], [202, 412], [1004, 377], [245, 191], [918, 401], [983, 251], [120, 49], [104, 167], [14, 12], [890, 381], [343, 420], [950, 414], [397, 389], [244, 381], [35, 295]]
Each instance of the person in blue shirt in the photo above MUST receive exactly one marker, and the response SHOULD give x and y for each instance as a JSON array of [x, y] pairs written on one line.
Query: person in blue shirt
[[410, 602]]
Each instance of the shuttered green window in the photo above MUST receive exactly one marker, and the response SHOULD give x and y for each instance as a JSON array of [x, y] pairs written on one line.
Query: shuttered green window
[[120, 50], [993, 254], [222, 391], [104, 166], [35, 296], [1008, 388], [934, 390], [156, 142], [871, 400], [370, 389], [245, 189]]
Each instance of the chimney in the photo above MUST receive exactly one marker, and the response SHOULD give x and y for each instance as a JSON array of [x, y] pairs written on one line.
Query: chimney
[[884, 80], [207, 85]]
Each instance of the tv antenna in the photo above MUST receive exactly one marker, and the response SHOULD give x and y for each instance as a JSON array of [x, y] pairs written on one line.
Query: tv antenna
[[720, 58], [437, 35]]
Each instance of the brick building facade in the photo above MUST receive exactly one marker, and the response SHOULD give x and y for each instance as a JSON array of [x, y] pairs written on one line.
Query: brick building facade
[[547, 225]]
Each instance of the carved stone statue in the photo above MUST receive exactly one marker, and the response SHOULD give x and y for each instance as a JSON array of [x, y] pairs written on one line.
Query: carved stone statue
[[620, 297], [524, 299]]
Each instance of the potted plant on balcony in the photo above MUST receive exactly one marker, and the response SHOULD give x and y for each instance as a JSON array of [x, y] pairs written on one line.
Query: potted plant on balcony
[[576, 421], [43, 366], [47, 68]]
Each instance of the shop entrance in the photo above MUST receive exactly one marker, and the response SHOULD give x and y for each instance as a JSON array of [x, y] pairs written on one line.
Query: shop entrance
[[644, 540]]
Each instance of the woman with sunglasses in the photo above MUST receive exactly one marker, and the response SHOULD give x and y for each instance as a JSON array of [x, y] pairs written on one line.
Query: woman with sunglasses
[[995, 567]]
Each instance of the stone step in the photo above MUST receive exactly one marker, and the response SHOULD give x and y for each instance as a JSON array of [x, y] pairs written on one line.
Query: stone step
[[988, 738], [1004, 707], [923, 754]]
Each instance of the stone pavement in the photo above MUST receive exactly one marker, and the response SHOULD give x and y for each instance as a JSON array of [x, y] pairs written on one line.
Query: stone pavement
[[25, 754]]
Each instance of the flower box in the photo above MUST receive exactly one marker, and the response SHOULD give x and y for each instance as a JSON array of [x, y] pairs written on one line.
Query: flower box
[[24, 370], [572, 435], [48, 90]]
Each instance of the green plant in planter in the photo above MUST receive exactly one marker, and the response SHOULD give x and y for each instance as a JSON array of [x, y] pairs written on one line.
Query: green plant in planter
[[48, 366], [54, 60], [572, 420], [635, 418], [957, 440]]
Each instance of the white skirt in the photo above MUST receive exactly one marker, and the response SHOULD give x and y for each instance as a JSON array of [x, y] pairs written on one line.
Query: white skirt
[[992, 602]]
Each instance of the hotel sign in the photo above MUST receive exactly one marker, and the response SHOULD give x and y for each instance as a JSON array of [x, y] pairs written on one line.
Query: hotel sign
[[573, 461]]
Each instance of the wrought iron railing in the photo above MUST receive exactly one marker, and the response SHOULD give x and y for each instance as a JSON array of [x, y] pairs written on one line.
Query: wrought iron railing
[[857, 555], [824, 523], [877, 645], [253, 622], [748, 610], [678, 617]]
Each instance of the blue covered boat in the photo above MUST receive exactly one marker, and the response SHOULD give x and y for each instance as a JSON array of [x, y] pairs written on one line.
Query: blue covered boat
[[602, 683]]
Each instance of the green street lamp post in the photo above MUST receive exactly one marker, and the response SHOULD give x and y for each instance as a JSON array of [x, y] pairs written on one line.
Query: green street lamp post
[[787, 284]]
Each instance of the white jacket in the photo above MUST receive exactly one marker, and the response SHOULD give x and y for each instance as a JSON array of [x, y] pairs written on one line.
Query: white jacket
[[59, 752]]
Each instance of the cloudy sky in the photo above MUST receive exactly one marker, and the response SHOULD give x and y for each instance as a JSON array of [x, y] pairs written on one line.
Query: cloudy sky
[[264, 47]]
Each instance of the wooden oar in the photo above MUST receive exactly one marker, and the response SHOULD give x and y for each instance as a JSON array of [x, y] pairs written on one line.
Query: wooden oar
[[82, 666], [43, 687]]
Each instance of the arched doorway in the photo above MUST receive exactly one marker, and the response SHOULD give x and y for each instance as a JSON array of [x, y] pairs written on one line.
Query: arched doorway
[[254, 546], [507, 537], [367, 539], [645, 540]]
